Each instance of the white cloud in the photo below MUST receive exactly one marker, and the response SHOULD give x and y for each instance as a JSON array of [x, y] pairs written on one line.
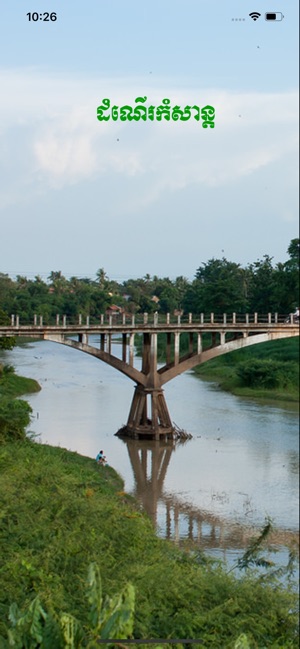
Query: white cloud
[[68, 145], [64, 154]]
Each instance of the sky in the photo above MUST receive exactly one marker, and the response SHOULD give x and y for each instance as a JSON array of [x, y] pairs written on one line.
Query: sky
[[138, 198]]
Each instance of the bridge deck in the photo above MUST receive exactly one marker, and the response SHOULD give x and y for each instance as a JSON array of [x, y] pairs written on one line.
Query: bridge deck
[[248, 328], [149, 416]]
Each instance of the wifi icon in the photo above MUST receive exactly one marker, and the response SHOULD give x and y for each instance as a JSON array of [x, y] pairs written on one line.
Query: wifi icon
[[254, 15]]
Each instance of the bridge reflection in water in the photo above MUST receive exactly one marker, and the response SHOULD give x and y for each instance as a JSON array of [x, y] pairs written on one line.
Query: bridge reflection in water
[[184, 523]]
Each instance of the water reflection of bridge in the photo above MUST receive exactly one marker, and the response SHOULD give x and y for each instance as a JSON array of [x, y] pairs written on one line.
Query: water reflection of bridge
[[180, 521]]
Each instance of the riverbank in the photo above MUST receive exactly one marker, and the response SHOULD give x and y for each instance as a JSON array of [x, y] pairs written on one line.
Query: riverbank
[[266, 371], [12, 385], [61, 511], [14, 413]]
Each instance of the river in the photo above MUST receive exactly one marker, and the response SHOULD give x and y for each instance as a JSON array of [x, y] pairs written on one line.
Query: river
[[241, 465]]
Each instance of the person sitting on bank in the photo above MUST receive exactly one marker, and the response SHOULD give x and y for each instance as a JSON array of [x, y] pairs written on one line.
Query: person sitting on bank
[[101, 459]]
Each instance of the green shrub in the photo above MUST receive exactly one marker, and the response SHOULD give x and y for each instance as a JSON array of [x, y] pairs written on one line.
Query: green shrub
[[8, 342], [34, 627], [8, 369], [60, 512], [266, 373], [14, 418]]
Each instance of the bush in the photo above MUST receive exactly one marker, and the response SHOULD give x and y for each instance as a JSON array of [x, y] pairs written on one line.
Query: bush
[[266, 373], [8, 369], [61, 512], [8, 342], [110, 618], [14, 417]]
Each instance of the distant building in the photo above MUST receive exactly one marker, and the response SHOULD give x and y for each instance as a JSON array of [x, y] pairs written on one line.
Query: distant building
[[114, 310]]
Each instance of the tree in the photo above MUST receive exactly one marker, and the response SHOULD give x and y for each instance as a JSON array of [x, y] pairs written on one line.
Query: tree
[[275, 289], [294, 253], [22, 281], [219, 287], [102, 278], [6, 342], [287, 280], [58, 281], [262, 286], [7, 289]]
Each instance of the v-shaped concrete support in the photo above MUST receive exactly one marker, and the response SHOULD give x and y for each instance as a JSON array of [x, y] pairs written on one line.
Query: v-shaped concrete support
[[149, 415]]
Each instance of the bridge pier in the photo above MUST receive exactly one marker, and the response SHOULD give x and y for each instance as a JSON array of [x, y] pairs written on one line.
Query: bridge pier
[[149, 416]]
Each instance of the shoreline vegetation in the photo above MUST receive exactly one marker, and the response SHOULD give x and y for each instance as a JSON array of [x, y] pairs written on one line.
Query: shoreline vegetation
[[14, 412], [267, 371], [63, 516]]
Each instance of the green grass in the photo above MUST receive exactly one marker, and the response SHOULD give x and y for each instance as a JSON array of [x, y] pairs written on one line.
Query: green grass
[[14, 413], [12, 385], [280, 356], [61, 511]]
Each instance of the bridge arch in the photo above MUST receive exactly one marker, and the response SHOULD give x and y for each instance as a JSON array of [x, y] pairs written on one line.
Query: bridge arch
[[188, 362], [110, 359], [149, 416], [152, 419]]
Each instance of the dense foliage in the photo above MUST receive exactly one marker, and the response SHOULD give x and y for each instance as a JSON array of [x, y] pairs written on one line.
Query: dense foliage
[[111, 618], [265, 374], [14, 413], [220, 286], [6, 342], [266, 370], [60, 512]]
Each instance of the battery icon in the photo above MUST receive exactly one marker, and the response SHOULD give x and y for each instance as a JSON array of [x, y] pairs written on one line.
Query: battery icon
[[276, 15]]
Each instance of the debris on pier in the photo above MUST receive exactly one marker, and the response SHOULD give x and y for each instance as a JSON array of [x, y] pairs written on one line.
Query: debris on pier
[[180, 433], [177, 433]]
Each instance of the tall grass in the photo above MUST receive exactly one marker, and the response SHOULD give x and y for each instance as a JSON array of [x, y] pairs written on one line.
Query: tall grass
[[61, 511], [14, 413]]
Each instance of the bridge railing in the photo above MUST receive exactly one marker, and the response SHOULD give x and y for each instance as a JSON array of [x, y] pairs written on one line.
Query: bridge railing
[[156, 319]]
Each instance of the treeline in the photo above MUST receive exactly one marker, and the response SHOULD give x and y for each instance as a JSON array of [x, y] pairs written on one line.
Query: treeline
[[219, 285]]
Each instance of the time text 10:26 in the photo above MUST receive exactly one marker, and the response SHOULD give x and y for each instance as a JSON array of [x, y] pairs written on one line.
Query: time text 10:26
[[46, 16]]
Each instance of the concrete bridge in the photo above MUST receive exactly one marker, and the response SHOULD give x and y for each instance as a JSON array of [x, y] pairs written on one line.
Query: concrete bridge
[[149, 416]]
